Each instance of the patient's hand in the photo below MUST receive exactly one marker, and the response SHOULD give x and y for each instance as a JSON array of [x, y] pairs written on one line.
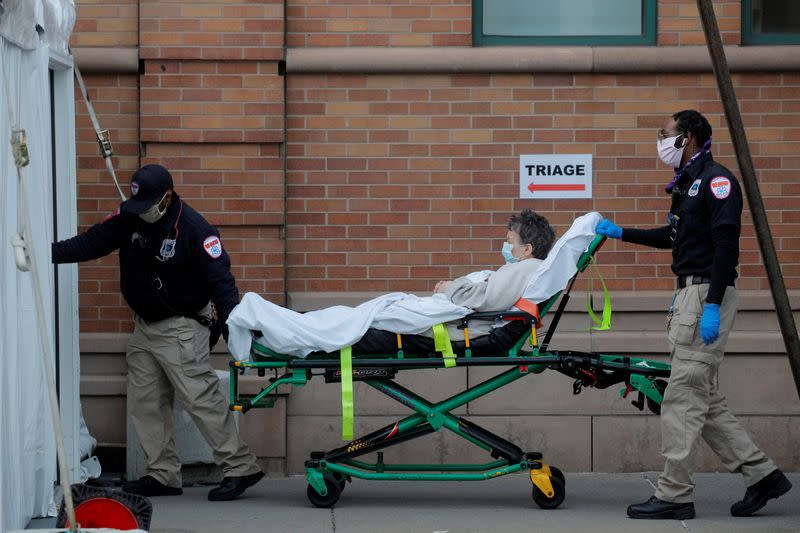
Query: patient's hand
[[441, 286]]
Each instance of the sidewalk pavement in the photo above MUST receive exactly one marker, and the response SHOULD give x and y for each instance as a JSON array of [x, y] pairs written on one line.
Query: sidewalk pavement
[[594, 502]]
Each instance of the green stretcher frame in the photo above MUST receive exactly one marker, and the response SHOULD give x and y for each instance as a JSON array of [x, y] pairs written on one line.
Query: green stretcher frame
[[328, 472]]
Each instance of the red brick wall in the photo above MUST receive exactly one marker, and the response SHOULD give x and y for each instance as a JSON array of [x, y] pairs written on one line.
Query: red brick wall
[[211, 29], [115, 100], [396, 182], [379, 23], [679, 22], [209, 106], [211, 101], [106, 23]]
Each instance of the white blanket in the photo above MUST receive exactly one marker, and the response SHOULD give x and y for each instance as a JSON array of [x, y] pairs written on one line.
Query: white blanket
[[291, 333]]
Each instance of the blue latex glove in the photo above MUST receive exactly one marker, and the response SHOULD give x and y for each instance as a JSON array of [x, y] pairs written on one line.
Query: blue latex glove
[[709, 323], [609, 229]]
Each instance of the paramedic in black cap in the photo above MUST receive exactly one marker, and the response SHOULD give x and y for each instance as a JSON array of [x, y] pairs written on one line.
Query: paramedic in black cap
[[175, 275]]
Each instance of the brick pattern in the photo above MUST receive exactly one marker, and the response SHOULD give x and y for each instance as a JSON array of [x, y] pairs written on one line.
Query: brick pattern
[[211, 102], [396, 182], [679, 22], [379, 23], [211, 29], [106, 23], [115, 100]]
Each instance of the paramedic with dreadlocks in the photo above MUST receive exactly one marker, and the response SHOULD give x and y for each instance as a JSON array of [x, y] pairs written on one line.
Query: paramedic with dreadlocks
[[172, 268], [703, 232]]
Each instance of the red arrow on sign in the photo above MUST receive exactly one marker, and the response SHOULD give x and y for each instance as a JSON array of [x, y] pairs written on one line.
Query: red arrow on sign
[[556, 187]]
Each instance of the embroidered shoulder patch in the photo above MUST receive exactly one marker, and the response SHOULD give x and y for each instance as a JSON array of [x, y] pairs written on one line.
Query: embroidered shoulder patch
[[213, 246], [695, 188], [721, 187]]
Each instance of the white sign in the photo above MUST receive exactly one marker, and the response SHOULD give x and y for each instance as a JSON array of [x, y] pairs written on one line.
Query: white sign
[[548, 176]]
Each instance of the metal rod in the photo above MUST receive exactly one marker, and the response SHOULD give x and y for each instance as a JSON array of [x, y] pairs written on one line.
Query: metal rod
[[742, 150]]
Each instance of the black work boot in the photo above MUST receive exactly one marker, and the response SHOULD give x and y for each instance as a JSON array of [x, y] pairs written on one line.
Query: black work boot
[[148, 486], [659, 509], [233, 487], [757, 494]]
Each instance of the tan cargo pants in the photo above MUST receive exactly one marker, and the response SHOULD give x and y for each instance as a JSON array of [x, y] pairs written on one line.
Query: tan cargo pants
[[171, 357], [693, 406]]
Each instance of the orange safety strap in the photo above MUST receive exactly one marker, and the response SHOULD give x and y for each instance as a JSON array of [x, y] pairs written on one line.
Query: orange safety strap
[[530, 308]]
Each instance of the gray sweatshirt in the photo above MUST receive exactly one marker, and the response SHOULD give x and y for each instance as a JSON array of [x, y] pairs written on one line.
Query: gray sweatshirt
[[498, 293]]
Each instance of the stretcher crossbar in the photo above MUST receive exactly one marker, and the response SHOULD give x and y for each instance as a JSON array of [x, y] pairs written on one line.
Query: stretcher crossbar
[[328, 472]]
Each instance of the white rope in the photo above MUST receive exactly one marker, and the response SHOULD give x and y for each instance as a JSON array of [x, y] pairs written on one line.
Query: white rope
[[29, 257], [103, 137]]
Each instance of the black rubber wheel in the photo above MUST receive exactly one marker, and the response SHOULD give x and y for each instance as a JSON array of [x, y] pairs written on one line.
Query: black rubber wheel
[[655, 407], [330, 499], [558, 474], [341, 479], [550, 503]]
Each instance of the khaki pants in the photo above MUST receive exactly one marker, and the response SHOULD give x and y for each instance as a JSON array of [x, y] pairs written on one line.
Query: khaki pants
[[168, 358], [693, 406]]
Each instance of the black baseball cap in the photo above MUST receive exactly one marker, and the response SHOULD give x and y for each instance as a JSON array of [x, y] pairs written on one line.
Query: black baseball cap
[[148, 185]]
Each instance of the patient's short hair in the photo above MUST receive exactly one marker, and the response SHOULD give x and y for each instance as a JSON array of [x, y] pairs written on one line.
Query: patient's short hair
[[535, 230]]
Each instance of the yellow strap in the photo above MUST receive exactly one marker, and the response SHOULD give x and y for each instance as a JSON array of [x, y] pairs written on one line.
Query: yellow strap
[[605, 322], [441, 342], [346, 361]]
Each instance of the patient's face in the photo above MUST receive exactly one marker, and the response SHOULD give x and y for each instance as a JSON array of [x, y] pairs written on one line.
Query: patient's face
[[518, 250]]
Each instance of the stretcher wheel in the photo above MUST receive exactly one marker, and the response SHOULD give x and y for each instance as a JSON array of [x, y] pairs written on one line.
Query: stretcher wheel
[[558, 474], [330, 499], [653, 405], [341, 479], [558, 497]]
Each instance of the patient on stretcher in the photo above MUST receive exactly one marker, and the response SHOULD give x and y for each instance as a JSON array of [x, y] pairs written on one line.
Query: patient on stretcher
[[529, 238], [535, 270]]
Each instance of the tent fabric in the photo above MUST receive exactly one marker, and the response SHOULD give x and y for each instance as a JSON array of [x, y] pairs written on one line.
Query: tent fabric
[[291, 333], [27, 446], [27, 23]]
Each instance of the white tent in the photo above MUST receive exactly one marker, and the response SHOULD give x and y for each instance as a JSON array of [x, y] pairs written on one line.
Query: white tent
[[36, 94]]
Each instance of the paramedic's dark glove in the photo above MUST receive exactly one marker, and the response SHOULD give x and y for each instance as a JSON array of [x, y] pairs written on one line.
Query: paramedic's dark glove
[[609, 229], [709, 323], [215, 332]]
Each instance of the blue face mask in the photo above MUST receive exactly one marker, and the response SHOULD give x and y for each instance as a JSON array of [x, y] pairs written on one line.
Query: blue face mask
[[507, 255]]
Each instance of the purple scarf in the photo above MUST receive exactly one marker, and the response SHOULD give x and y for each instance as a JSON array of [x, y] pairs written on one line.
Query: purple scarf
[[679, 171]]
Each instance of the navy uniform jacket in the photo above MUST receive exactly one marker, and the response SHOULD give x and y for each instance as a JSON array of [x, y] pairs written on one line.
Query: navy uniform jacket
[[158, 280], [705, 224]]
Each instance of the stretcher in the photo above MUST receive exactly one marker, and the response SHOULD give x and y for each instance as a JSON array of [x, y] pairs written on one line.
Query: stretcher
[[328, 472]]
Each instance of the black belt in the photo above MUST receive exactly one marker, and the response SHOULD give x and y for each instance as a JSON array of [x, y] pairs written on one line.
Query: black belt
[[204, 321], [696, 280]]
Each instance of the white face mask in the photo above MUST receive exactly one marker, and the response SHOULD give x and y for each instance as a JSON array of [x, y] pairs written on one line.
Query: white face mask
[[668, 153], [154, 213]]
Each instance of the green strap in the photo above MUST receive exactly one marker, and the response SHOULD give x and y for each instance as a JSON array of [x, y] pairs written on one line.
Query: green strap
[[346, 361], [441, 343], [605, 322]]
